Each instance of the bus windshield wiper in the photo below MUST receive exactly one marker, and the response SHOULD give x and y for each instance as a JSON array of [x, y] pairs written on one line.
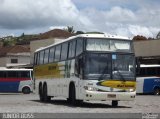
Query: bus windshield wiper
[[103, 73], [119, 73]]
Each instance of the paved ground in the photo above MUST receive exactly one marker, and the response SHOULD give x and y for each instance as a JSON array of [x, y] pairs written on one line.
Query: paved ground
[[30, 103]]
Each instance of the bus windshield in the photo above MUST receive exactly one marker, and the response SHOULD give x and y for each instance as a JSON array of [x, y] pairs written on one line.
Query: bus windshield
[[98, 66], [123, 67], [114, 45], [109, 66]]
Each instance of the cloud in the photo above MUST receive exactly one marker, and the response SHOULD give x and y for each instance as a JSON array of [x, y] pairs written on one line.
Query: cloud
[[17, 14], [123, 21], [111, 16]]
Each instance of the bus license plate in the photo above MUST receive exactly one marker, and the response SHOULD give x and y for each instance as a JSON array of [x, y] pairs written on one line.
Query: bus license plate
[[111, 95]]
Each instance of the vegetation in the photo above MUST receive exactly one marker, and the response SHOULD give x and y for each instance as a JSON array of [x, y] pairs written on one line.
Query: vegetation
[[70, 29], [25, 39]]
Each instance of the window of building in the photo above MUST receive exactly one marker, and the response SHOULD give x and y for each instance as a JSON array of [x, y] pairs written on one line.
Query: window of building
[[14, 60]]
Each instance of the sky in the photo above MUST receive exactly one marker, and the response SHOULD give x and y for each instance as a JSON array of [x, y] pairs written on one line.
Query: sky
[[116, 17]]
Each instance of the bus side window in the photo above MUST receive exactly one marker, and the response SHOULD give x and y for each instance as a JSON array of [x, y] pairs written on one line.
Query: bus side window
[[38, 58], [25, 74], [35, 59], [72, 49], [51, 54], [12, 74], [57, 53], [42, 57], [2, 74], [79, 47], [46, 56], [79, 67], [64, 52]]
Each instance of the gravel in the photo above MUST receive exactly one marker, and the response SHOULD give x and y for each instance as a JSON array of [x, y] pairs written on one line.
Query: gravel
[[29, 103]]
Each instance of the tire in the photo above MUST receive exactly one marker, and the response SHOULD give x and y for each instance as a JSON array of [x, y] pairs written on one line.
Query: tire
[[114, 103], [45, 94], [72, 96], [156, 91], [41, 93], [26, 90], [79, 102]]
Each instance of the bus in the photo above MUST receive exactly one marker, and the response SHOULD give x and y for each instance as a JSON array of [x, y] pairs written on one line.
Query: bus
[[16, 80], [148, 79], [86, 67]]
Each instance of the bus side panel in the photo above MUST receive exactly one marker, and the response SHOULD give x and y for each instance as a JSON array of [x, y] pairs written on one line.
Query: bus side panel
[[149, 85], [9, 86], [139, 85], [28, 83]]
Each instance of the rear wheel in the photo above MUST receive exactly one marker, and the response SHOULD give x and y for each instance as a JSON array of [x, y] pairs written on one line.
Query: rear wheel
[[156, 91], [41, 93], [114, 103], [45, 94], [26, 90]]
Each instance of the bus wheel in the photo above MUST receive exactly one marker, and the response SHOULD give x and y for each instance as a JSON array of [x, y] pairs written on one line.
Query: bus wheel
[[26, 90], [41, 93], [156, 91], [114, 103], [72, 96], [45, 95]]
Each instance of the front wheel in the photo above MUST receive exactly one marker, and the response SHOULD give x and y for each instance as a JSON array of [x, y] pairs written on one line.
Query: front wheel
[[114, 103], [72, 96], [157, 91]]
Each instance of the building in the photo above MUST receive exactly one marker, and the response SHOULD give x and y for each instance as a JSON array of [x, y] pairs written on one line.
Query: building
[[147, 51], [14, 56]]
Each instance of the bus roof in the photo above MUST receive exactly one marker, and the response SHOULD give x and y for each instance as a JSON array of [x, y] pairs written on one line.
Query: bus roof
[[87, 36], [5, 69], [144, 65]]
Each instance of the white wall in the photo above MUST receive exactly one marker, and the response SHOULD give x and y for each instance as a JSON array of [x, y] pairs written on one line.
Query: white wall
[[22, 59], [2, 61], [147, 48]]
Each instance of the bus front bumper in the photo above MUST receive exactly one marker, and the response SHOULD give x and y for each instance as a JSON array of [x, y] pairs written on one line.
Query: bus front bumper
[[120, 96]]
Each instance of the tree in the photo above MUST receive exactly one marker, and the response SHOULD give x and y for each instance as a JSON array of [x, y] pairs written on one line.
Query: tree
[[158, 36], [70, 29], [139, 38], [79, 32]]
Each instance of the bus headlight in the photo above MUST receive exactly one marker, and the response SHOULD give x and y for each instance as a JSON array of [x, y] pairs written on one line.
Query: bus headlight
[[89, 88], [131, 90]]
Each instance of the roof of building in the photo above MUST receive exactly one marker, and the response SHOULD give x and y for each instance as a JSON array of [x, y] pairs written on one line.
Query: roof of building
[[13, 49], [56, 33]]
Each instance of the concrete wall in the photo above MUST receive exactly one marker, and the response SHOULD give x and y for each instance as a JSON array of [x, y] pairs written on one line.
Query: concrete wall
[[2, 61], [22, 59], [147, 48]]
